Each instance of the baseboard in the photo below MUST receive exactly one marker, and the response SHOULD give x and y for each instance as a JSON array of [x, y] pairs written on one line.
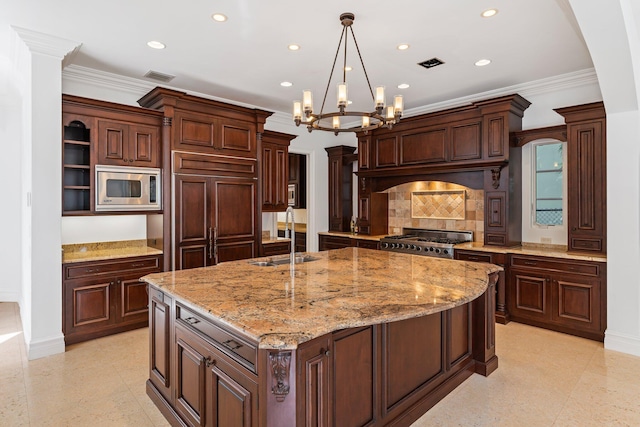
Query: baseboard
[[44, 348], [9, 296], [624, 343]]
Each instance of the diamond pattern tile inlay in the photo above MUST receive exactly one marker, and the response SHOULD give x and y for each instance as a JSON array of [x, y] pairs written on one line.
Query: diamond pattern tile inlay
[[447, 204]]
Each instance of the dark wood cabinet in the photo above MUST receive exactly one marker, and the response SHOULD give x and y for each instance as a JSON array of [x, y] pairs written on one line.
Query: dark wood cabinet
[[586, 177], [160, 339], [99, 132], [278, 248], [105, 297], [341, 159], [501, 259], [564, 295], [275, 170], [327, 242], [215, 220], [298, 180], [128, 144]]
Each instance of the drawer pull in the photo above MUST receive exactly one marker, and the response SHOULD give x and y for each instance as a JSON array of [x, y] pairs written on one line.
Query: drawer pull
[[93, 270], [137, 264], [228, 343], [473, 258], [530, 263], [191, 320]]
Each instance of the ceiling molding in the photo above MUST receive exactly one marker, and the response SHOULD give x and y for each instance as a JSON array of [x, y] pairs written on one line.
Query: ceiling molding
[[140, 87], [536, 87], [46, 44]]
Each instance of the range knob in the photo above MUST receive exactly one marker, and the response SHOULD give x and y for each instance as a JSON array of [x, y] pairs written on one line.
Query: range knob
[[401, 245], [413, 247], [437, 250], [445, 252], [385, 245], [418, 248]]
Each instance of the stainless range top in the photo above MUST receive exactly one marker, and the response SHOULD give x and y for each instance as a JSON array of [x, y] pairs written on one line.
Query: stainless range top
[[417, 241]]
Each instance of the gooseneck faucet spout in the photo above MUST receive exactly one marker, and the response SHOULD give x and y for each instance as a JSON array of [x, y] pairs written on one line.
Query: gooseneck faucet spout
[[291, 235]]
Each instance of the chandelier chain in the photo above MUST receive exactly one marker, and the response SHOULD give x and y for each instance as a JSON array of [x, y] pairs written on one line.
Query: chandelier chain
[[362, 62], [335, 58]]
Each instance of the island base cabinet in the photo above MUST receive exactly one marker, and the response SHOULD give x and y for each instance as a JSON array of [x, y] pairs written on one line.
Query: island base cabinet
[[378, 375]]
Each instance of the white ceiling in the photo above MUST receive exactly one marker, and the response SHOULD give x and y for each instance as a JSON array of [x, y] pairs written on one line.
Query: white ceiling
[[246, 58]]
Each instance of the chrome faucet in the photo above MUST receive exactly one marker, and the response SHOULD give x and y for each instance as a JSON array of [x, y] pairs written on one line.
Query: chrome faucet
[[291, 235]]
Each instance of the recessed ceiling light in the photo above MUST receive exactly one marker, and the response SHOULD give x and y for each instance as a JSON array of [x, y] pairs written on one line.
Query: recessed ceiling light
[[294, 46], [219, 17], [489, 13], [483, 62], [403, 46], [156, 44], [403, 86], [348, 68], [286, 84]]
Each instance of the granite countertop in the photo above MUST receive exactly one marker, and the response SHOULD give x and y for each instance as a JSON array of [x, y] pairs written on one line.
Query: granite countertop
[[342, 288], [106, 250], [553, 251]]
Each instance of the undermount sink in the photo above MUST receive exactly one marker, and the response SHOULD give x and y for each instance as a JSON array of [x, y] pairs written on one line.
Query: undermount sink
[[271, 262]]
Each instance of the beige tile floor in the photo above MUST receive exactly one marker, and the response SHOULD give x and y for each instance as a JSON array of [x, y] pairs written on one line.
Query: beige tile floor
[[544, 379]]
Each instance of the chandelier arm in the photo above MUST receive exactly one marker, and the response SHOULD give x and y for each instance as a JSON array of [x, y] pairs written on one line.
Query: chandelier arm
[[335, 58], [362, 62]]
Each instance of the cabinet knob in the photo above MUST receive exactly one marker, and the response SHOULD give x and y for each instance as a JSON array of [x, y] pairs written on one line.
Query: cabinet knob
[[327, 353]]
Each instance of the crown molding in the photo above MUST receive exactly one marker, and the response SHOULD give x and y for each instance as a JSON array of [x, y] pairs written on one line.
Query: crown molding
[[140, 87], [46, 44], [536, 87]]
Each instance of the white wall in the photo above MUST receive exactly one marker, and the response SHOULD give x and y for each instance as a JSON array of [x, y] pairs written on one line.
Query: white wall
[[10, 171], [611, 34], [103, 228]]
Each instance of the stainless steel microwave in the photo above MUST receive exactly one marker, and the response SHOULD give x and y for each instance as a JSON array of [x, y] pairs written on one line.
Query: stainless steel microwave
[[125, 188]]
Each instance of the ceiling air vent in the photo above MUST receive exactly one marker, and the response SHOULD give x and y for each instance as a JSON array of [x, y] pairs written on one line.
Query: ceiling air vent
[[161, 77], [430, 63]]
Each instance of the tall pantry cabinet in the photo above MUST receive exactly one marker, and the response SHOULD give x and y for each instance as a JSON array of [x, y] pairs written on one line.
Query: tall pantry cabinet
[[211, 150]]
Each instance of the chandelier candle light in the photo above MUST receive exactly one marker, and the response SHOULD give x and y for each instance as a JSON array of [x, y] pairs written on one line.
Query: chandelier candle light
[[303, 111]]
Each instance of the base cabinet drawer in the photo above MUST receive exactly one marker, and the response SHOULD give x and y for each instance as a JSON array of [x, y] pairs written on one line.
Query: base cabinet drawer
[[98, 299]]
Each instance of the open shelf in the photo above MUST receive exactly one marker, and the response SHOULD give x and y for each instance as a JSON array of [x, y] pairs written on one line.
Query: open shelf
[[76, 169]]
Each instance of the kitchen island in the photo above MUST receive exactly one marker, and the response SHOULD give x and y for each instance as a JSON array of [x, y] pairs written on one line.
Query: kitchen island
[[349, 337]]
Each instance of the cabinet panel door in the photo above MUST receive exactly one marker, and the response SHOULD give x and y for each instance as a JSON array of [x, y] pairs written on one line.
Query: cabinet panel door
[[134, 300], [229, 397], [234, 206], [424, 147], [576, 302], [194, 132], [414, 355], [192, 213], [92, 305], [386, 152], [313, 383], [268, 175], [495, 135], [190, 391], [529, 295], [354, 377], [237, 138], [160, 345], [112, 142], [495, 211], [144, 146], [465, 142], [281, 180]]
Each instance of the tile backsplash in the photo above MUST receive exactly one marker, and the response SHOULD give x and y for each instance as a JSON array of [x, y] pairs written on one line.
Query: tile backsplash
[[435, 205]]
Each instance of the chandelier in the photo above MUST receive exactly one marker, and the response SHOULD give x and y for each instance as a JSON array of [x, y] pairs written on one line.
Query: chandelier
[[380, 117]]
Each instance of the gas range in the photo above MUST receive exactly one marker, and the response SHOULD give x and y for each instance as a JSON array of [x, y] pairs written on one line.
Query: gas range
[[434, 243]]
